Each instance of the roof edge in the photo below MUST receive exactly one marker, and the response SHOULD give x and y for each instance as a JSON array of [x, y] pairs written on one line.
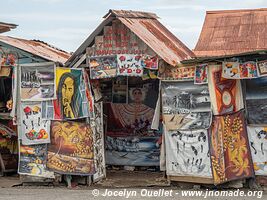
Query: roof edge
[[234, 11]]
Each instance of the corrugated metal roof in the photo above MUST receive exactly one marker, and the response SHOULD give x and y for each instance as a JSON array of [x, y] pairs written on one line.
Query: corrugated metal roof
[[149, 30], [4, 27], [229, 32], [38, 48]]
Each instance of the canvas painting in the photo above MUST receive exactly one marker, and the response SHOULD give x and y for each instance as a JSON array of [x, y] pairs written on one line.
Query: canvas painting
[[129, 65], [185, 106], [187, 153], [37, 82], [150, 62], [229, 148], [231, 70], [201, 74], [167, 72], [256, 98], [71, 102], [34, 129], [103, 67], [71, 149], [258, 146], [226, 94], [32, 161], [262, 68], [248, 70]]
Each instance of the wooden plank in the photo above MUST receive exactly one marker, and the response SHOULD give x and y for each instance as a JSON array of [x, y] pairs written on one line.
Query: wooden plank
[[191, 179]]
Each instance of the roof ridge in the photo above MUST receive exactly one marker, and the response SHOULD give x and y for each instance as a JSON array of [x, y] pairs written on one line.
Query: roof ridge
[[234, 11], [131, 14]]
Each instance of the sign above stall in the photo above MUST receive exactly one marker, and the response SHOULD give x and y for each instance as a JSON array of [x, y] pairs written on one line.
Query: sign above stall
[[117, 39], [167, 72], [236, 70]]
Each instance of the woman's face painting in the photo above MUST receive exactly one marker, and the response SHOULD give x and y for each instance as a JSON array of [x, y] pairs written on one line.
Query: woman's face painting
[[137, 96], [67, 90]]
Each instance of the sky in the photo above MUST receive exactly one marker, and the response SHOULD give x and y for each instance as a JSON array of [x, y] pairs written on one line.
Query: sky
[[67, 23]]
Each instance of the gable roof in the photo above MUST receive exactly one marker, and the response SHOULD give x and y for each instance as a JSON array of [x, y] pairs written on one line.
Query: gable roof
[[5, 27], [146, 26], [37, 47], [230, 32]]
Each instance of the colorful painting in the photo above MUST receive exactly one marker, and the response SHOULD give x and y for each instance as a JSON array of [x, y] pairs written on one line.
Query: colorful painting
[[185, 106], [226, 94], [149, 74], [229, 148], [71, 102], [103, 67], [258, 146], [71, 150], [88, 92], [150, 62], [231, 70], [262, 68], [256, 98], [187, 153], [32, 161], [99, 149], [129, 65], [248, 70], [37, 82], [8, 58], [168, 72], [201, 74], [34, 129]]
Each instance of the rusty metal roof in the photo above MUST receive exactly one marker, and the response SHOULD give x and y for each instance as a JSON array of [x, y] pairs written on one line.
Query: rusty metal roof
[[38, 48], [230, 32], [5, 27], [149, 30]]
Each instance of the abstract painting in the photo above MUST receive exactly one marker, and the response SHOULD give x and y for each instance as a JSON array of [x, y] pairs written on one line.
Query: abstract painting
[[201, 74], [129, 65], [229, 148]]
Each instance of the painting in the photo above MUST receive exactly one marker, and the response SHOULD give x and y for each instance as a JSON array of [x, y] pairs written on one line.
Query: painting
[[99, 149], [34, 129], [229, 148], [258, 146], [185, 106], [187, 153], [8, 58], [168, 72], [256, 98], [201, 74], [88, 93], [71, 102], [71, 149], [226, 94], [262, 68], [248, 70], [120, 90], [37, 82], [231, 70], [149, 74], [129, 65], [150, 62], [103, 67], [32, 161]]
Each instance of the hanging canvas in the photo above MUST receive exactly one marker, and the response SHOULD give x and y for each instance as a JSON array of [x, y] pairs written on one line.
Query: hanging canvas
[[168, 72], [185, 106], [47, 110], [88, 93], [149, 74], [120, 90], [103, 67], [231, 70], [37, 82], [150, 62], [71, 149], [99, 149], [256, 98], [262, 68], [71, 102], [258, 147], [248, 70], [187, 153], [226, 94], [32, 161], [229, 148], [129, 65], [34, 129], [201, 74]]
